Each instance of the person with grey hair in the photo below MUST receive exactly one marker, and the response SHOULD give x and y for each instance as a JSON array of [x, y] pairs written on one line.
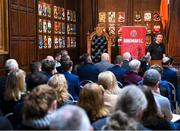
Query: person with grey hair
[[151, 79], [104, 64], [129, 110], [126, 59], [11, 65], [70, 117], [132, 77]]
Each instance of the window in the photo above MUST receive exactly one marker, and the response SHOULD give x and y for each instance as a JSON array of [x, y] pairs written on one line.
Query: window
[[4, 27]]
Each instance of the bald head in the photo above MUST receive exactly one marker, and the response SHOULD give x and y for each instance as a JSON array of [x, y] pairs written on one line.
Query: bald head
[[105, 56], [127, 56]]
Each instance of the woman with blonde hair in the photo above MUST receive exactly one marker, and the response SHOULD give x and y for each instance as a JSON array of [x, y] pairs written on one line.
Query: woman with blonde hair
[[108, 80], [14, 89], [92, 101], [59, 83]]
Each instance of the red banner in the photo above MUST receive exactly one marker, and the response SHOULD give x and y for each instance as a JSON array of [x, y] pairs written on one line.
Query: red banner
[[133, 41]]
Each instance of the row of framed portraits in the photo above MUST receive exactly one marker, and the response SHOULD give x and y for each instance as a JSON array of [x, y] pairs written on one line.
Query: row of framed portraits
[[114, 29], [46, 42], [139, 16], [45, 10], [45, 26]]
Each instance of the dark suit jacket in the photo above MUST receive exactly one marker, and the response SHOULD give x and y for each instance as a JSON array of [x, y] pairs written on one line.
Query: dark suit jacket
[[125, 65], [170, 75], [73, 84], [118, 72], [103, 65], [88, 72]]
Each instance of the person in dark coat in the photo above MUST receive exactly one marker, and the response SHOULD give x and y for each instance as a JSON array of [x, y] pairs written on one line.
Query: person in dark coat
[[87, 71], [117, 69], [72, 80]]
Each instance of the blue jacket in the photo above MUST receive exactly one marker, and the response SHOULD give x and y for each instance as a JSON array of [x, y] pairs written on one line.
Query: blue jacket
[[73, 84]]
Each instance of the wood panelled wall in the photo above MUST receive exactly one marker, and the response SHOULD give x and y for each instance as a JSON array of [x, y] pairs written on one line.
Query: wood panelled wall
[[173, 32], [22, 28]]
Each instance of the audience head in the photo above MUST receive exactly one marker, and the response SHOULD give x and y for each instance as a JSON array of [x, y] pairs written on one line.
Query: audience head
[[35, 66], [151, 78], [166, 61], [118, 60], [104, 57], [70, 117], [147, 57], [158, 68], [132, 101], [39, 102], [15, 85], [58, 57], [37, 78], [59, 83], [108, 80], [11, 65], [48, 66], [87, 58], [134, 65], [49, 58], [68, 65], [120, 121], [92, 100], [127, 56], [64, 53]]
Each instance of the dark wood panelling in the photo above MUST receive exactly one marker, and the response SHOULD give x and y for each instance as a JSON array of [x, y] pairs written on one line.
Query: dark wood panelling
[[22, 31], [174, 31]]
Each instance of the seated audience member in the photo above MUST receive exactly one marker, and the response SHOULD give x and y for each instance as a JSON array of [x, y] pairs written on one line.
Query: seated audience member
[[143, 67], [171, 64], [126, 59], [74, 118], [80, 61], [169, 74], [39, 106], [117, 69], [92, 101], [87, 71], [152, 119], [72, 80], [151, 79], [132, 76], [14, 90], [64, 58], [108, 80], [48, 67], [49, 58], [165, 89], [104, 64], [34, 67], [10, 65], [59, 83], [129, 110]]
